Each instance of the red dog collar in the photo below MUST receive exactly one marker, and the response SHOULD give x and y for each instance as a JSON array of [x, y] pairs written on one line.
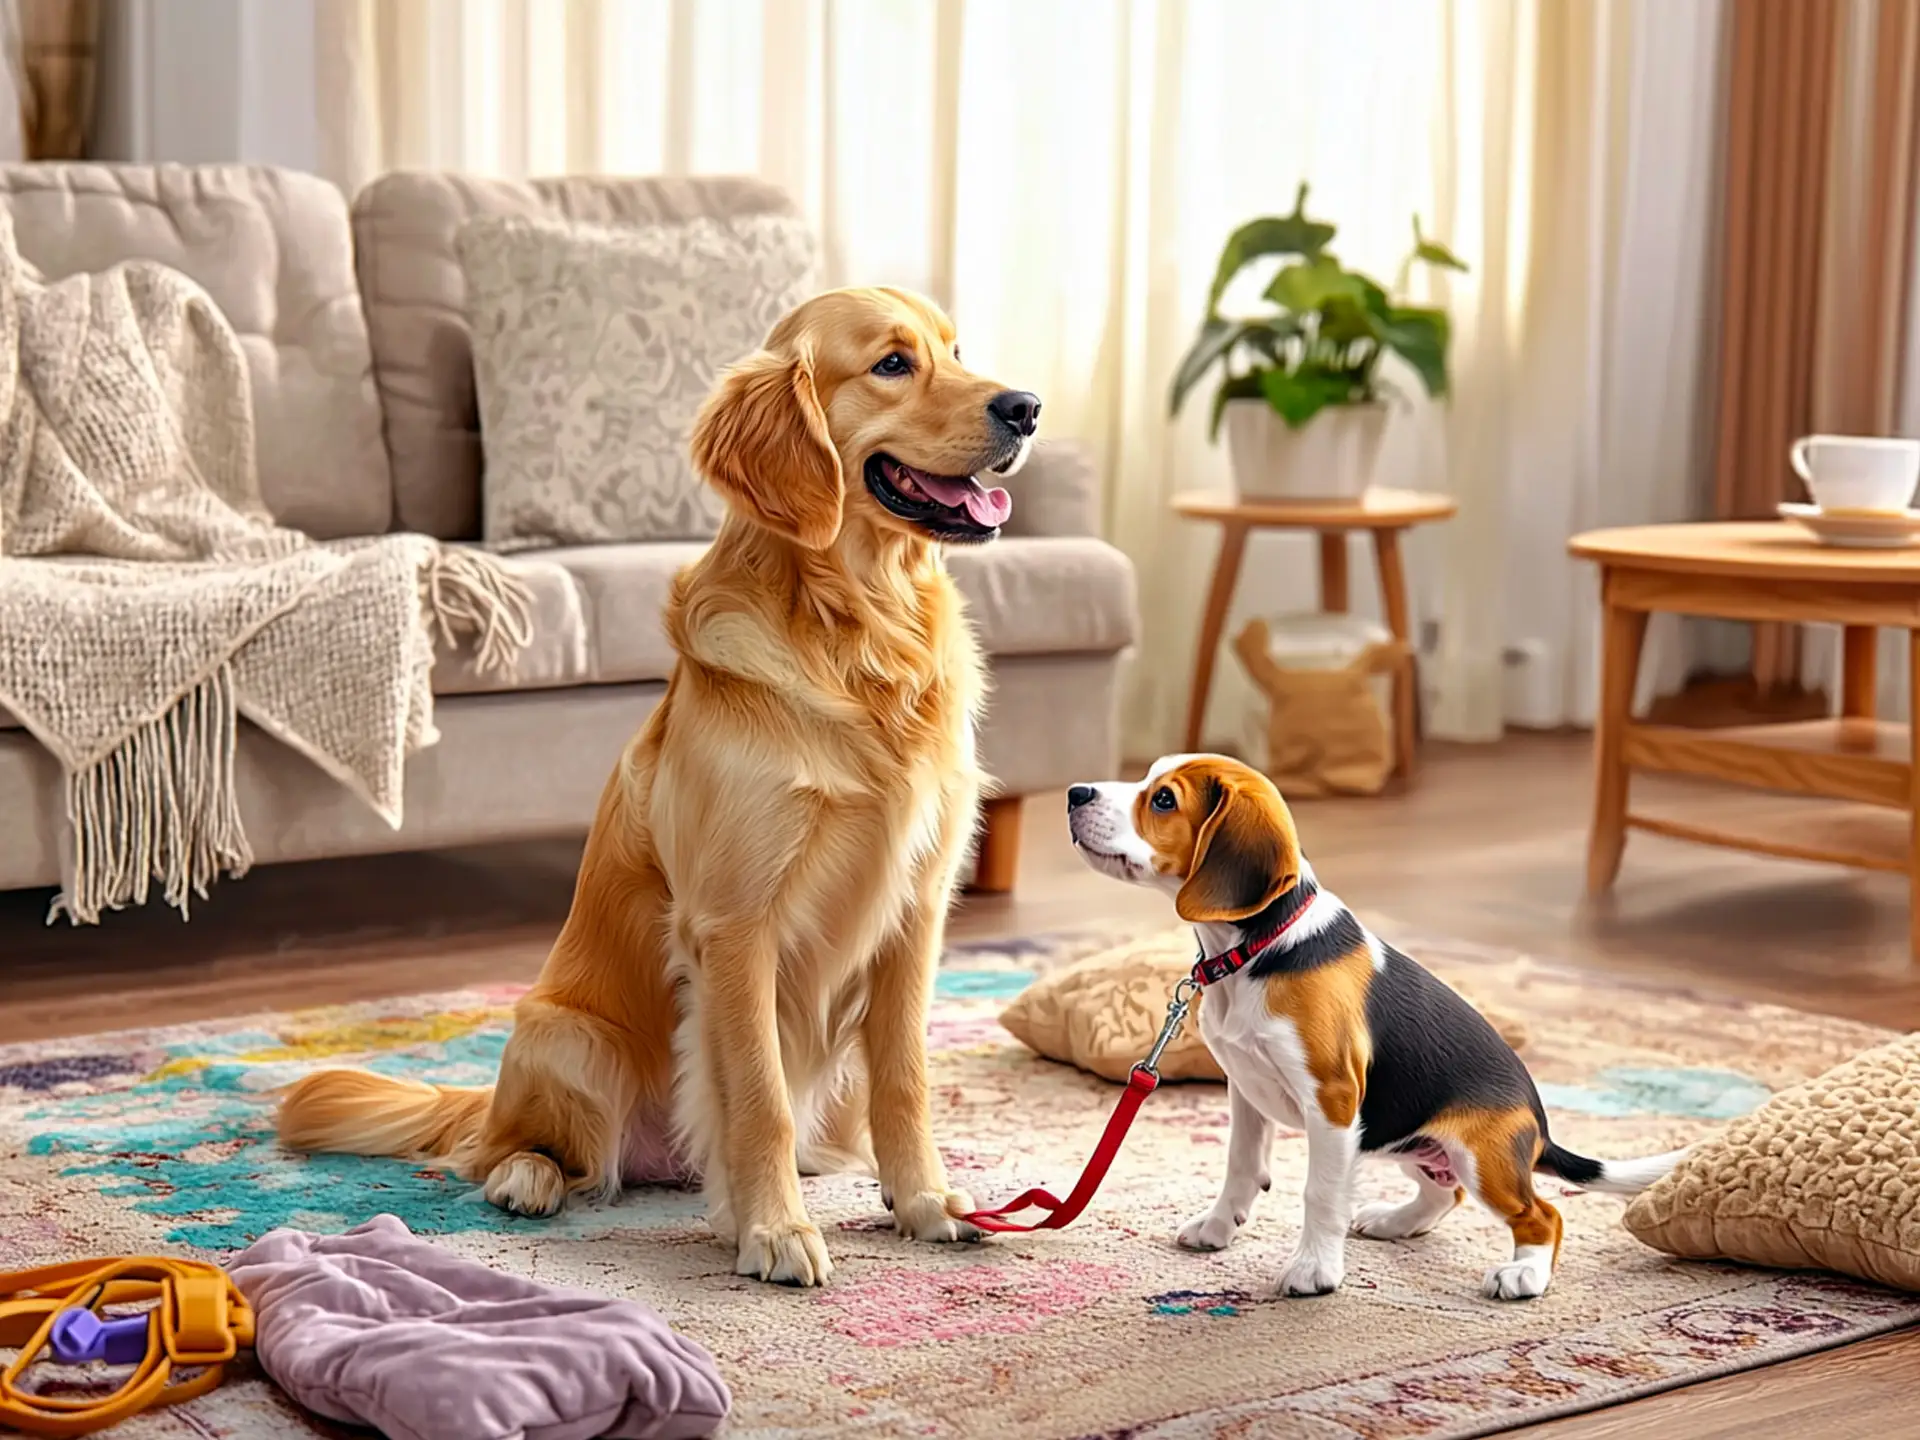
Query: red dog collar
[[1209, 968]]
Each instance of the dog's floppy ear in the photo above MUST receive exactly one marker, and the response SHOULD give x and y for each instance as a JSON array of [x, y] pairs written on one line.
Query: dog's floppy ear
[[761, 440], [1245, 858]]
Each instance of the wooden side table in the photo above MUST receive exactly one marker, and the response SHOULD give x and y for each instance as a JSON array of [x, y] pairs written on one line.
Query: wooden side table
[[1383, 512], [1759, 570]]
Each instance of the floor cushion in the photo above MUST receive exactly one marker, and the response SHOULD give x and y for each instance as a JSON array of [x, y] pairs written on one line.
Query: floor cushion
[[1824, 1176], [1101, 1014]]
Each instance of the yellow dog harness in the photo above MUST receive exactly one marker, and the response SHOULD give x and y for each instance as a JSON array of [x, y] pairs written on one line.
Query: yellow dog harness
[[200, 1320]]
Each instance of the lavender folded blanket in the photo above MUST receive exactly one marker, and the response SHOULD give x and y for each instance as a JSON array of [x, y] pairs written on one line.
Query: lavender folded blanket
[[378, 1327]]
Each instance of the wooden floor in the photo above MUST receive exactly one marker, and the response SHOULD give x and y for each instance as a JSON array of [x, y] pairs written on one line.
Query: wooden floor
[[1489, 845]]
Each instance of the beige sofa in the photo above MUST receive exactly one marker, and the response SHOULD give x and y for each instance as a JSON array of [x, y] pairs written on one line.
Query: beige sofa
[[363, 390]]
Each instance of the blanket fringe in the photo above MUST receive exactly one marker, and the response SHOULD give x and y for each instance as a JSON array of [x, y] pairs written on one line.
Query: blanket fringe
[[470, 593], [162, 804]]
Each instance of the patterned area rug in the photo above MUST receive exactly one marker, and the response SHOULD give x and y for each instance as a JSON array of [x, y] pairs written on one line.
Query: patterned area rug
[[160, 1140]]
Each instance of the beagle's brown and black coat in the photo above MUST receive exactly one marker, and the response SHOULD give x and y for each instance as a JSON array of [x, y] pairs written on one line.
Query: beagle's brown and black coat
[[1332, 1031]]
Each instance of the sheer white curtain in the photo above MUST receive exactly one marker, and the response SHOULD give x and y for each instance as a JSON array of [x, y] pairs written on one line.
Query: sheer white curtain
[[1586, 134], [1061, 174]]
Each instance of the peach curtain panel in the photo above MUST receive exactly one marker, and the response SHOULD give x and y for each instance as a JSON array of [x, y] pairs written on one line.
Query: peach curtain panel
[[52, 48], [1869, 233], [1822, 115]]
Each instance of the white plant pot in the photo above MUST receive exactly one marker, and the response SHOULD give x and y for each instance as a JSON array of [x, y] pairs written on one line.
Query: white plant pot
[[1331, 457]]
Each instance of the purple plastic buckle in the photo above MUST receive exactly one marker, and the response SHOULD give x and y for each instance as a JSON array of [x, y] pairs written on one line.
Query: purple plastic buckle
[[80, 1337]]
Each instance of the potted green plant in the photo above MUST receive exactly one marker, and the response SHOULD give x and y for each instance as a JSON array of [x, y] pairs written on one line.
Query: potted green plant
[[1300, 389]]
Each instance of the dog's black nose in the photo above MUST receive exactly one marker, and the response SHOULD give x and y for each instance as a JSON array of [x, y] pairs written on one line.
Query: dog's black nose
[[1017, 408], [1078, 795]]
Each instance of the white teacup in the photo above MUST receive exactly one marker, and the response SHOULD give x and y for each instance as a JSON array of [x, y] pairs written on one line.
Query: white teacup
[[1857, 473]]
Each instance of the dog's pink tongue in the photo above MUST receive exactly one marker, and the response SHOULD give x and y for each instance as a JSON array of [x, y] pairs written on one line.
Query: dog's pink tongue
[[987, 507]]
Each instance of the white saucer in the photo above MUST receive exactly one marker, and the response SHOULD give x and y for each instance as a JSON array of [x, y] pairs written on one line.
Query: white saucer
[[1892, 530]]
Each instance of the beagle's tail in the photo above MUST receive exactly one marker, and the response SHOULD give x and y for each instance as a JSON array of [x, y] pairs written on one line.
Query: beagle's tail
[[355, 1112], [1610, 1177]]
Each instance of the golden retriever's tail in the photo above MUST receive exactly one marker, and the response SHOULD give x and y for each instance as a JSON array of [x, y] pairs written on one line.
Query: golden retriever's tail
[[355, 1112]]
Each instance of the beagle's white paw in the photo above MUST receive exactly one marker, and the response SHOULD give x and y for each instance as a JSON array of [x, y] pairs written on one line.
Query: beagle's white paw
[[1384, 1220], [1313, 1272], [1524, 1277], [1211, 1229]]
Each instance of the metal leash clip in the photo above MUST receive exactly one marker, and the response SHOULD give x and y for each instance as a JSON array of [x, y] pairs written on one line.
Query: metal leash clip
[[1177, 1008]]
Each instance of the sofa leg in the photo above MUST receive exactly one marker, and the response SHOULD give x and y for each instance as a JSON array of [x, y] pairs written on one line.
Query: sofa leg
[[998, 858]]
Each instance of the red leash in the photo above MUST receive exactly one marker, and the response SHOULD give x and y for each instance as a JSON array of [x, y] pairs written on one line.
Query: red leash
[[1140, 1084], [1144, 1080]]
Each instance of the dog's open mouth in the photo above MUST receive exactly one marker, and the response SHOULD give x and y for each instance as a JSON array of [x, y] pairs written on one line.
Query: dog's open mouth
[[948, 507]]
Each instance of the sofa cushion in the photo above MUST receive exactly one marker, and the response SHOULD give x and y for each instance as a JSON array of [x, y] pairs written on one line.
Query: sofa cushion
[[623, 590], [1057, 492], [557, 654], [1028, 596], [274, 251], [596, 619], [404, 227], [1048, 595], [597, 608]]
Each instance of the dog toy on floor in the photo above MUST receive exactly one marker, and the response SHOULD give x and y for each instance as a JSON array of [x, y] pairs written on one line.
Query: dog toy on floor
[[198, 1320]]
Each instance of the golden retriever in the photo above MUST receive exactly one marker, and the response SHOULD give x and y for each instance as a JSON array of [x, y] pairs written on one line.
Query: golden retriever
[[740, 991]]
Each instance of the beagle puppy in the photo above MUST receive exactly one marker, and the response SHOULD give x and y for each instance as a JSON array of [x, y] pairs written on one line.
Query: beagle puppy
[[1322, 1026]]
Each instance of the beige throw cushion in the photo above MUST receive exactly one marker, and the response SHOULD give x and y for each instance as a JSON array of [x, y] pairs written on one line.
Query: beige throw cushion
[[1101, 1014], [1824, 1176], [592, 351]]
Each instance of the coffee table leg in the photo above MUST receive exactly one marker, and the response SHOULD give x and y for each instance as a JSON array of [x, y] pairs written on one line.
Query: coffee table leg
[[1859, 683], [1226, 574], [1406, 680], [1913, 795], [1622, 633]]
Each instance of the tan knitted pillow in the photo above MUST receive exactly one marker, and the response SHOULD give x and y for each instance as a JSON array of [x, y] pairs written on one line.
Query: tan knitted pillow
[[1823, 1176], [1102, 1013]]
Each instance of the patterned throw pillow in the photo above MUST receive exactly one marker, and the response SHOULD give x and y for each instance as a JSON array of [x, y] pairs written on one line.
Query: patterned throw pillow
[[1102, 1013], [1825, 1176], [592, 351]]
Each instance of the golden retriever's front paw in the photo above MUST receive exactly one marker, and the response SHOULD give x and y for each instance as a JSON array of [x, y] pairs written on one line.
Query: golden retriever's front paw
[[788, 1253], [935, 1215], [1209, 1230], [526, 1183]]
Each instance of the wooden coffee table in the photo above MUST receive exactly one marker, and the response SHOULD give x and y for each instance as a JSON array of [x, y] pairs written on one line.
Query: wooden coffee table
[[1385, 513], [1757, 570]]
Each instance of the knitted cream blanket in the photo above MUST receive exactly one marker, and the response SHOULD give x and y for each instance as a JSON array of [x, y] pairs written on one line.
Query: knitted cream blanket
[[148, 601]]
